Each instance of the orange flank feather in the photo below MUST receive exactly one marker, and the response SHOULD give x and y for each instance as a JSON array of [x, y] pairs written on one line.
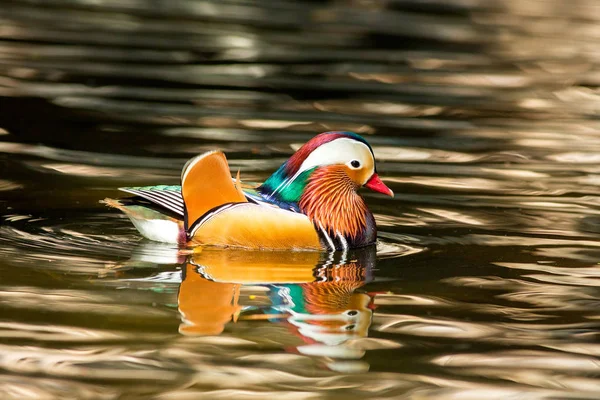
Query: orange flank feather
[[253, 226], [206, 183], [330, 200]]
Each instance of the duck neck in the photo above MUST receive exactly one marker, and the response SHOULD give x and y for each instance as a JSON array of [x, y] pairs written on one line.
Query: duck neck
[[283, 189]]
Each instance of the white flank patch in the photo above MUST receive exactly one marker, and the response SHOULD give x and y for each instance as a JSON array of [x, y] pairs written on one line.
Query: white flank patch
[[159, 230]]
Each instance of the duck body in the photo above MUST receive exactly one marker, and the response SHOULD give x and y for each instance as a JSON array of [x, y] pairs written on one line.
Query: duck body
[[309, 203]]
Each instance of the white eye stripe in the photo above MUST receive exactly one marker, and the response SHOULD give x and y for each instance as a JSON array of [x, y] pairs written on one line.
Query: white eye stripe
[[339, 151]]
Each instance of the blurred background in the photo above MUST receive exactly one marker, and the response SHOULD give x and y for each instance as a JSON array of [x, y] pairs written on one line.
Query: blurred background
[[483, 115]]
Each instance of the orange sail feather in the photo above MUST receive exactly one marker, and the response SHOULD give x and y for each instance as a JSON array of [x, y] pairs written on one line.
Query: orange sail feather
[[206, 183]]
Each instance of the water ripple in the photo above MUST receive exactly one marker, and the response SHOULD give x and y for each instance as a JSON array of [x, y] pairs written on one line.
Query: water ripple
[[482, 116]]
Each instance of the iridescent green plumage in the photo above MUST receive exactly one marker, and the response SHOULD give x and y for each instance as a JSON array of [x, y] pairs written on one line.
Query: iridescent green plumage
[[285, 189]]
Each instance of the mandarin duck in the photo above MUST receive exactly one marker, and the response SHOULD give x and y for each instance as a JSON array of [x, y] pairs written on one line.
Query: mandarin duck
[[309, 203]]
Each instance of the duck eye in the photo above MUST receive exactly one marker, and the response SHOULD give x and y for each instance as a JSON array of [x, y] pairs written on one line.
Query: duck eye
[[355, 163]]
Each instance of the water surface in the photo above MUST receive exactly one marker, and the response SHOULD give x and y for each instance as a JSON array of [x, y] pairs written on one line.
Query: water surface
[[483, 116]]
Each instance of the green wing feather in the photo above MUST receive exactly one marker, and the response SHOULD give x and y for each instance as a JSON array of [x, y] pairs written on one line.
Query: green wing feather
[[171, 188]]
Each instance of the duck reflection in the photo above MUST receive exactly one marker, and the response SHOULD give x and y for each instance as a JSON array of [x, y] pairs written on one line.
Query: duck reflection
[[314, 295], [206, 306]]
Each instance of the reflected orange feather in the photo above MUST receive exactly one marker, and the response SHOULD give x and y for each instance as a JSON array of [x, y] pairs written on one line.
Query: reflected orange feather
[[206, 307]]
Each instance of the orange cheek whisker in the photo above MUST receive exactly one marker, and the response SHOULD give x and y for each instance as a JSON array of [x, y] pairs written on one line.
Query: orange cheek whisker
[[330, 199]]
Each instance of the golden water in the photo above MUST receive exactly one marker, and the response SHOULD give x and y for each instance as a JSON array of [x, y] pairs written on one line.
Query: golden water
[[483, 116]]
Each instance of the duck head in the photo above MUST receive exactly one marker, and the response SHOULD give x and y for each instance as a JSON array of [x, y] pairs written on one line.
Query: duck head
[[321, 180]]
